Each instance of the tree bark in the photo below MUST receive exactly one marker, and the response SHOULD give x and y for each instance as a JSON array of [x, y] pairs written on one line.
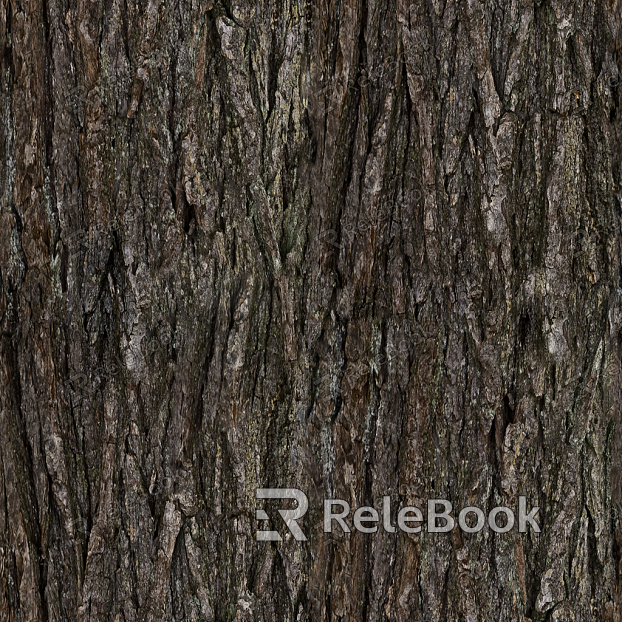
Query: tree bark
[[360, 249]]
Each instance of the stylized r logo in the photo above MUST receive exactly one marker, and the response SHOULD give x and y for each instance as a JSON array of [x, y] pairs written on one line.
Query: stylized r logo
[[289, 516]]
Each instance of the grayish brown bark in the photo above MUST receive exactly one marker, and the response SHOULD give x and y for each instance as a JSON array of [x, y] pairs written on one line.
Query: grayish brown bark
[[356, 248]]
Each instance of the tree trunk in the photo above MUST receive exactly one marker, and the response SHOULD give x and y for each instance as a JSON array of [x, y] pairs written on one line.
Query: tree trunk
[[362, 250]]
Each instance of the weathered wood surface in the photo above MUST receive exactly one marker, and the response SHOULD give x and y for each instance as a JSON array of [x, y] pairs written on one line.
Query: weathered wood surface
[[357, 248]]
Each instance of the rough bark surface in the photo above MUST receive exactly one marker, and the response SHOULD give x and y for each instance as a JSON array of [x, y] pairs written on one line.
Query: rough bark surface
[[359, 248]]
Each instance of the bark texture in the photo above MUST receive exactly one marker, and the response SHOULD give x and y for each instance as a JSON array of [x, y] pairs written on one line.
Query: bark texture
[[359, 248]]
